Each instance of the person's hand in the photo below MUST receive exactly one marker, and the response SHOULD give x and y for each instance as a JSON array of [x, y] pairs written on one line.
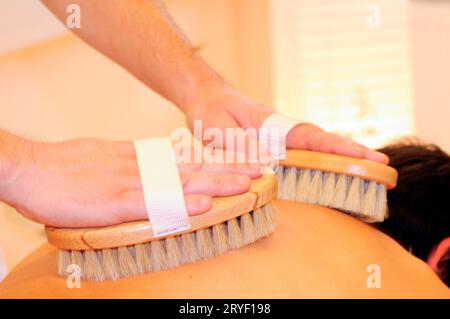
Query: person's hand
[[93, 182], [221, 106]]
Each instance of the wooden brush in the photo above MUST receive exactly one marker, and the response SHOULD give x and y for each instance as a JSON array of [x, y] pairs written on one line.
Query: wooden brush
[[111, 253], [355, 186]]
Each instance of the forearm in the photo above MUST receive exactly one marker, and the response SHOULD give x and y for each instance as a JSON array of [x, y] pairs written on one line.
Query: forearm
[[140, 36]]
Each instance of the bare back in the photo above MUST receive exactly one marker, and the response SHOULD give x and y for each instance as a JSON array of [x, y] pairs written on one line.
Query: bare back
[[315, 252]]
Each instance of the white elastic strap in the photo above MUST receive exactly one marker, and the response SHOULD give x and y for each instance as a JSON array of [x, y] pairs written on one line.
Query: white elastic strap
[[163, 192], [273, 132]]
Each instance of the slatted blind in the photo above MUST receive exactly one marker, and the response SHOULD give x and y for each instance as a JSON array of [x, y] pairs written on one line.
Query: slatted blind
[[344, 65]]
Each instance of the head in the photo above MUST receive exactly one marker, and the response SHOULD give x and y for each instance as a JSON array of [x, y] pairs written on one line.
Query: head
[[419, 207]]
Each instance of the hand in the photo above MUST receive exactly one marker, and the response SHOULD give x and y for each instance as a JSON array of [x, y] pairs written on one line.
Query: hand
[[221, 106], [92, 182]]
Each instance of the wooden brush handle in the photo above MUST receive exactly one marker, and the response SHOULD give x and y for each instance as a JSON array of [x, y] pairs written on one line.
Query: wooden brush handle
[[333, 163], [261, 192]]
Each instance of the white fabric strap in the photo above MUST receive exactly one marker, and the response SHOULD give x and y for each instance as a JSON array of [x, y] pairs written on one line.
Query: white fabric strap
[[273, 132], [163, 192]]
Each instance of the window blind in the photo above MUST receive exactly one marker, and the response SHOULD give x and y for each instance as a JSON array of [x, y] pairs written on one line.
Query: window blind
[[344, 65]]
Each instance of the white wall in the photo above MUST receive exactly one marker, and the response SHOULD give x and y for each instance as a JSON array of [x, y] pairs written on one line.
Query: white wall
[[431, 65], [334, 68], [24, 23]]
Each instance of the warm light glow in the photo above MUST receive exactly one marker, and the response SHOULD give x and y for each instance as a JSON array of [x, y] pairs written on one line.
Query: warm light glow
[[344, 65]]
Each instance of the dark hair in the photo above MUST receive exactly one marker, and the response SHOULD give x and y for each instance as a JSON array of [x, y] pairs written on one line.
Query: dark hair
[[419, 207], [444, 268]]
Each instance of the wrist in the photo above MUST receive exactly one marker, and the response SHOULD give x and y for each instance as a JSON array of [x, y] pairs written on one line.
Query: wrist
[[202, 90], [15, 153], [7, 157]]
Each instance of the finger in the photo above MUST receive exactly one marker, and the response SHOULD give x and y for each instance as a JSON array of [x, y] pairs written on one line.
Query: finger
[[226, 165], [130, 205], [322, 141], [247, 146], [225, 174], [253, 170], [197, 203], [125, 149], [127, 167], [360, 151], [376, 156], [311, 137], [300, 136], [214, 184], [232, 137], [344, 146]]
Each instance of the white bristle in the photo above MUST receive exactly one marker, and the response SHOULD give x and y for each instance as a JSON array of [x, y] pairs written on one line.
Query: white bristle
[[78, 259], [127, 264], [220, 239], [235, 239], [327, 194], [173, 253], [370, 199], [248, 229], [110, 264], [261, 223], [280, 178], [142, 258], [188, 248], [93, 269], [315, 188], [381, 204], [353, 200], [362, 198], [340, 192], [157, 256], [290, 184], [205, 247], [304, 180], [269, 213], [64, 260]]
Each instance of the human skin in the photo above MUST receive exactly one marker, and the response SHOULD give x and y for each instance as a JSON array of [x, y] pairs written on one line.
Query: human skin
[[314, 252], [90, 182], [141, 36], [93, 182]]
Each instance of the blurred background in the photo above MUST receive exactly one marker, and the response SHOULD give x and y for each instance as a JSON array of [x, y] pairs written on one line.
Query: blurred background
[[371, 70]]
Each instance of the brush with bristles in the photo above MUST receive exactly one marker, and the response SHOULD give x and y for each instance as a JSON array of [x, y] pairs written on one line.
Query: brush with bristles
[[355, 186], [114, 252]]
